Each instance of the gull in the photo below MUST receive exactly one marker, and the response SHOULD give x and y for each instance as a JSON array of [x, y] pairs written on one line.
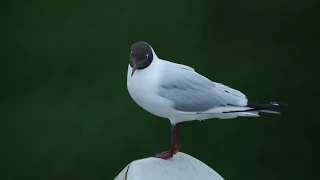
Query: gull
[[178, 93]]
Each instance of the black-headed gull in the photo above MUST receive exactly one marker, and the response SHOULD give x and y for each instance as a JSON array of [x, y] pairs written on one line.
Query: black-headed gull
[[178, 93]]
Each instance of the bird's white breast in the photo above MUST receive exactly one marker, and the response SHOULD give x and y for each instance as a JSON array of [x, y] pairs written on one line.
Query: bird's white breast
[[143, 87]]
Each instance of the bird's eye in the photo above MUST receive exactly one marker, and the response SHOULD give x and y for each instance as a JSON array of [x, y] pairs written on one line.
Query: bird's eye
[[146, 56]]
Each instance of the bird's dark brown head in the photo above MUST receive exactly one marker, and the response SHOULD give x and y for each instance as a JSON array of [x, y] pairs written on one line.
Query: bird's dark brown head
[[141, 56]]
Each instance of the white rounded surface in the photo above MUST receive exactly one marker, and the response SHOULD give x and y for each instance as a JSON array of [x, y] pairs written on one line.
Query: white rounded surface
[[180, 167]]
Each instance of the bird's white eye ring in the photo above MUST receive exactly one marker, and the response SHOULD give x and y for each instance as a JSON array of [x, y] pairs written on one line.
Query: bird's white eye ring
[[146, 56]]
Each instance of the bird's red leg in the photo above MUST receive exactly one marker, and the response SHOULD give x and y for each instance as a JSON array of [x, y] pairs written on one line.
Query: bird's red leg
[[168, 154], [177, 143]]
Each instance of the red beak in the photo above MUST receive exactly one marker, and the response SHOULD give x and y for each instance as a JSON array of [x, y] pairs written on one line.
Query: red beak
[[134, 68]]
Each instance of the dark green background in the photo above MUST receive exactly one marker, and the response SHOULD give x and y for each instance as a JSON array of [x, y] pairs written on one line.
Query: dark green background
[[65, 109]]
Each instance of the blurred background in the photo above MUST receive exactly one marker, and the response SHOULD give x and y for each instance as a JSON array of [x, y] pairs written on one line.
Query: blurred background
[[66, 113]]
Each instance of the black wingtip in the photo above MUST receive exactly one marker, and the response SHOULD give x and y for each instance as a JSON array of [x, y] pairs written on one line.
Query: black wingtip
[[271, 106]]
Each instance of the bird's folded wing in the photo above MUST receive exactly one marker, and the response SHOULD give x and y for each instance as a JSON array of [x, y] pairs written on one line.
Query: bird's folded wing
[[192, 92]]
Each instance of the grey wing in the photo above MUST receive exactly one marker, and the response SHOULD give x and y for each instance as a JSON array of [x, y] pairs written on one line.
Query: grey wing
[[191, 92]]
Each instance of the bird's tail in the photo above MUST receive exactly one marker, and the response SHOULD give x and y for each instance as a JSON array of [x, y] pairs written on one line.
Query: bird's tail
[[267, 107]]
